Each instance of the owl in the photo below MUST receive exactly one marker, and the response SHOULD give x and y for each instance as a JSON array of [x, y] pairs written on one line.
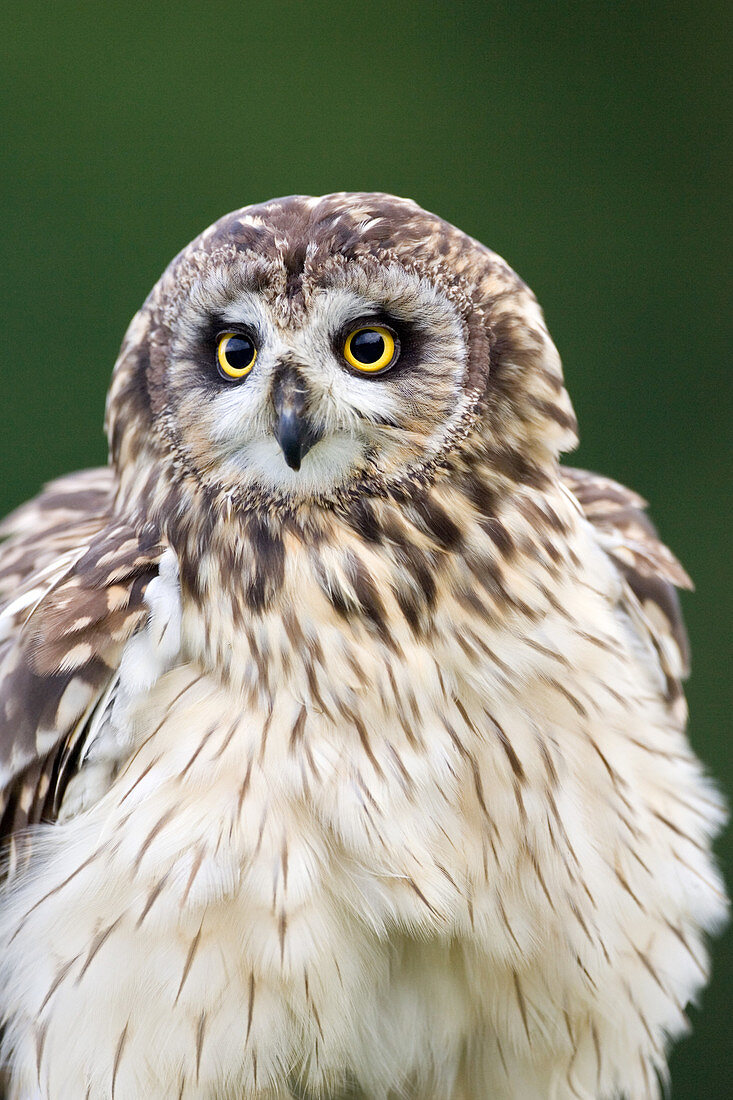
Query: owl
[[342, 747]]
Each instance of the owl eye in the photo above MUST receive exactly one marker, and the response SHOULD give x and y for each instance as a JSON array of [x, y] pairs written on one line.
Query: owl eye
[[371, 350], [235, 355]]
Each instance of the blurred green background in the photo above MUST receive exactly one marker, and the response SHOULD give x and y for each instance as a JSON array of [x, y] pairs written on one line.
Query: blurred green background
[[586, 143]]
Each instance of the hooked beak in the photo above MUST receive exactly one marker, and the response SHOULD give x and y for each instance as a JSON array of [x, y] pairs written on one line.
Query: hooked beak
[[293, 431]]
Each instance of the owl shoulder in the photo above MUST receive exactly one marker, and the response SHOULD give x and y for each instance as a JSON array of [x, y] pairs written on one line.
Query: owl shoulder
[[72, 587], [650, 571]]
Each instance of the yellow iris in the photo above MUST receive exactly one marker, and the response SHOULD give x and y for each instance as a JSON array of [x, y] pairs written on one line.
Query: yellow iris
[[236, 354], [370, 349]]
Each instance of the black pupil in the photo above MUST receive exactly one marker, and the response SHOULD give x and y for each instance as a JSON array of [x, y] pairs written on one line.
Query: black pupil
[[367, 346], [239, 352]]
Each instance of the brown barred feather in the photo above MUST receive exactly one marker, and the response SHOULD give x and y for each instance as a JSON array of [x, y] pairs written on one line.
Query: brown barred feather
[[64, 515], [62, 645], [649, 567]]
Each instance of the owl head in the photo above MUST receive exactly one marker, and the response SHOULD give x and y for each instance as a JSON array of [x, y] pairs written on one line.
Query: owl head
[[309, 350]]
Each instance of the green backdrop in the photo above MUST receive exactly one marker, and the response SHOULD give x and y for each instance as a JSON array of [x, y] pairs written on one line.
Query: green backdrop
[[586, 143]]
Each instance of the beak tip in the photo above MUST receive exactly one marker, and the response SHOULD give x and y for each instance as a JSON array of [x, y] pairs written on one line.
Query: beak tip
[[295, 438]]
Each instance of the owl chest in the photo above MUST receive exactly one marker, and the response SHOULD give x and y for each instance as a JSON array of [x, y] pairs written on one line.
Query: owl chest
[[293, 880], [268, 883], [292, 819], [296, 885], [331, 770]]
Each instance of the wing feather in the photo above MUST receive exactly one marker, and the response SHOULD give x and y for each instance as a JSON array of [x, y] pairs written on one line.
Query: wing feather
[[60, 520], [74, 578], [649, 568]]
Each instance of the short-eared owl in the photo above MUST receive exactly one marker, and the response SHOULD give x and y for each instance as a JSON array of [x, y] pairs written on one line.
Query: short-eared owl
[[342, 745]]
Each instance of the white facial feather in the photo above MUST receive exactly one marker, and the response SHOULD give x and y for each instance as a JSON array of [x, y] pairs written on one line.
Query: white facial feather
[[362, 420]]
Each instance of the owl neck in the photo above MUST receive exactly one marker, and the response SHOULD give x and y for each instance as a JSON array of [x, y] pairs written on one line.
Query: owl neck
[[265, 591]]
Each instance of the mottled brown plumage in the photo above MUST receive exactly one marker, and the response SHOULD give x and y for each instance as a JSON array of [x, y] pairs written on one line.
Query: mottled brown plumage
[[361, 774]]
